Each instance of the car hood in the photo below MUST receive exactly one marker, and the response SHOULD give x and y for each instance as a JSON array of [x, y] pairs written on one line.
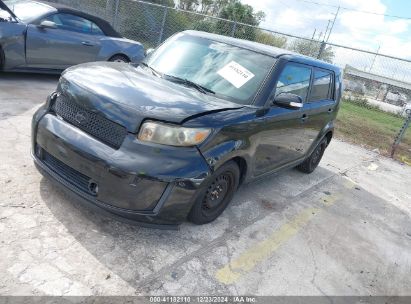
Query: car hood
[[129, 95]]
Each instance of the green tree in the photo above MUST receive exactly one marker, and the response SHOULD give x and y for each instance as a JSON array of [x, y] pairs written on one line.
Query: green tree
[[244, 13], [169, 3], [312, 49], [270, 39], [188, 5], [217, 7], [235, 11], [206, 6]]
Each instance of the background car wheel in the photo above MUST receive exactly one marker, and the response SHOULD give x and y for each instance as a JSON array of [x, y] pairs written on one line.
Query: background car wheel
[[2, 58], [309, 165], [218, 194], [119, 58]]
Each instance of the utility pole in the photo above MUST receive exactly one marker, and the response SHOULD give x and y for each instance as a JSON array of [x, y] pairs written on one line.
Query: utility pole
[[375, 57], [332, 25], [326, 30]]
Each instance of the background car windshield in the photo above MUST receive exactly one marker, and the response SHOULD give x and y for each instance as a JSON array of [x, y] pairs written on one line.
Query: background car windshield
[[231, 72], [27, 11]]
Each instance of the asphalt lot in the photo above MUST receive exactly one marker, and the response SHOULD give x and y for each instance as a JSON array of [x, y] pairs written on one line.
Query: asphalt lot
[[344, 230]]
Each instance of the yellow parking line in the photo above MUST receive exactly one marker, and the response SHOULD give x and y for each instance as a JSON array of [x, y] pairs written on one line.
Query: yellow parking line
[[244, 263], [349, 183], [249, 259], [406, 160]]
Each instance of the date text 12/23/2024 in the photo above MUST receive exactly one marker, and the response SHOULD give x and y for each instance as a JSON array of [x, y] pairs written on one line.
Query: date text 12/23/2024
[[203, 299]]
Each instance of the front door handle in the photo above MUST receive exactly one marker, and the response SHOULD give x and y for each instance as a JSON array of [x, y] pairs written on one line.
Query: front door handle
[[87, 43], [304, 117]]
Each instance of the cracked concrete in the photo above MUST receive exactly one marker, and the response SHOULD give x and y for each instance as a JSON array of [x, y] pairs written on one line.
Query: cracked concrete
[[355, 238]]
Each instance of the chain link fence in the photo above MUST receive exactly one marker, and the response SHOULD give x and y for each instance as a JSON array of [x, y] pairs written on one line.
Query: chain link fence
[[382, 81]]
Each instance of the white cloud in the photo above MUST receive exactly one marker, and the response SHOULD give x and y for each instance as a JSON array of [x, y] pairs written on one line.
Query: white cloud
[[398, 26], [289, 17]]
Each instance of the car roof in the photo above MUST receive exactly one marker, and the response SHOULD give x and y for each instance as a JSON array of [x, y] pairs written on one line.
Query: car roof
[[266, 49]]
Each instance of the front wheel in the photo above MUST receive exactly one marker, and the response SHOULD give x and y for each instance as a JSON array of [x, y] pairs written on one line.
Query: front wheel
[[311, 163], [218, 194]]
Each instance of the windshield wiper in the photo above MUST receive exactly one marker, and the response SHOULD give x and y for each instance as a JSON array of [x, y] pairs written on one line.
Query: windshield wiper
[[154, 71], [187, 82]]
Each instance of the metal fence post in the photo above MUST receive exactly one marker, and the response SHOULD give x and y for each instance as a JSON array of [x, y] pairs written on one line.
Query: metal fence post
[[234, 29], [115, 19], [107, 8], [160, 38], [322, 48], [401, 133]]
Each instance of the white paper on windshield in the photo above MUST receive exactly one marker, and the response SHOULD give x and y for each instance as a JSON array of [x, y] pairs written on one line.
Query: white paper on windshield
[[236, 74]]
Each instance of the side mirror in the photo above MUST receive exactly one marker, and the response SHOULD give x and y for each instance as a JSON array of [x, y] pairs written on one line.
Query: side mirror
[[149, 51], [47, 24], [288, 100]]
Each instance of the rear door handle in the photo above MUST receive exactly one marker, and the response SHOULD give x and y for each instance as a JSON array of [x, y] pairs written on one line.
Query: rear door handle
[[330, 110], [304, 117], [87, 43]]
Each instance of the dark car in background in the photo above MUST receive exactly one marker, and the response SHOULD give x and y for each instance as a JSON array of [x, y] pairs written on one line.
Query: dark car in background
[[48, 37], [174, 138]]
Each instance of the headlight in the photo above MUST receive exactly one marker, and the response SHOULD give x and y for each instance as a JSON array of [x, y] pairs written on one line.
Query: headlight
[[172, 135]]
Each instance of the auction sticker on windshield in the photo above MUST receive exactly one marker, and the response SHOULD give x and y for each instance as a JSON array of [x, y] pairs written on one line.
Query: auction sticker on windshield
[[236, 74]]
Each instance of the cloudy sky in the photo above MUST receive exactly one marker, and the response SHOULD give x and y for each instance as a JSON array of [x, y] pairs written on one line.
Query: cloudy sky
[[352, 28]]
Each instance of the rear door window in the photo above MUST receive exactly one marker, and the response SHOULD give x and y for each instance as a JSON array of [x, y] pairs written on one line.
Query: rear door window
[[322, 85], [295, 79]]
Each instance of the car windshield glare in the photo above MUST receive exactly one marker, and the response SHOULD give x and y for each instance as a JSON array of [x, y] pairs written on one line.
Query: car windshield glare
[[231, 72]]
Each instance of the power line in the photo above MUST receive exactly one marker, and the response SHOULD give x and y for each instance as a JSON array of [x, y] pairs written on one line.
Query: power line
[[355, 10]]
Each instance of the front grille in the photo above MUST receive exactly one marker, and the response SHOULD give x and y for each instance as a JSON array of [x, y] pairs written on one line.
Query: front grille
[[94, 124], [72, 176]]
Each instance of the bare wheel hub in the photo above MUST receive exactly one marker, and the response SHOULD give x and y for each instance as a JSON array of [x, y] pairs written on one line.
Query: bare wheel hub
[[217, 192]]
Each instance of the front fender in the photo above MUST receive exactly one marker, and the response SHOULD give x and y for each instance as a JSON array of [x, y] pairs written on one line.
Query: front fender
[[12, 42], [219, 154]]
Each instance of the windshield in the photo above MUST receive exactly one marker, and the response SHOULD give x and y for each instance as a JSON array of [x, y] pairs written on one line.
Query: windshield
[[229, 71], [25, 10]]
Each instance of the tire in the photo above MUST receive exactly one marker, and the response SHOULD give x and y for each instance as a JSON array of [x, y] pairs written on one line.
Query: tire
[[309, 165], [2, 58], [217, 194], [119, 58]]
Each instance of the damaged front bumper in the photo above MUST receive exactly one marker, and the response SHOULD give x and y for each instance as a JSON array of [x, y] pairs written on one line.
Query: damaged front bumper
[[139, 182]]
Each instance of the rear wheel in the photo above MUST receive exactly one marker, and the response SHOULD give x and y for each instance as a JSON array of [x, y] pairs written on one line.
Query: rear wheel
[[119, 58], [309, 165], [220, 190], [2, 58]]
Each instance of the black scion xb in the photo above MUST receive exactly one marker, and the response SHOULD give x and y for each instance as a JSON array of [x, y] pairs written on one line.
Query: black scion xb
[[173, 138]]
